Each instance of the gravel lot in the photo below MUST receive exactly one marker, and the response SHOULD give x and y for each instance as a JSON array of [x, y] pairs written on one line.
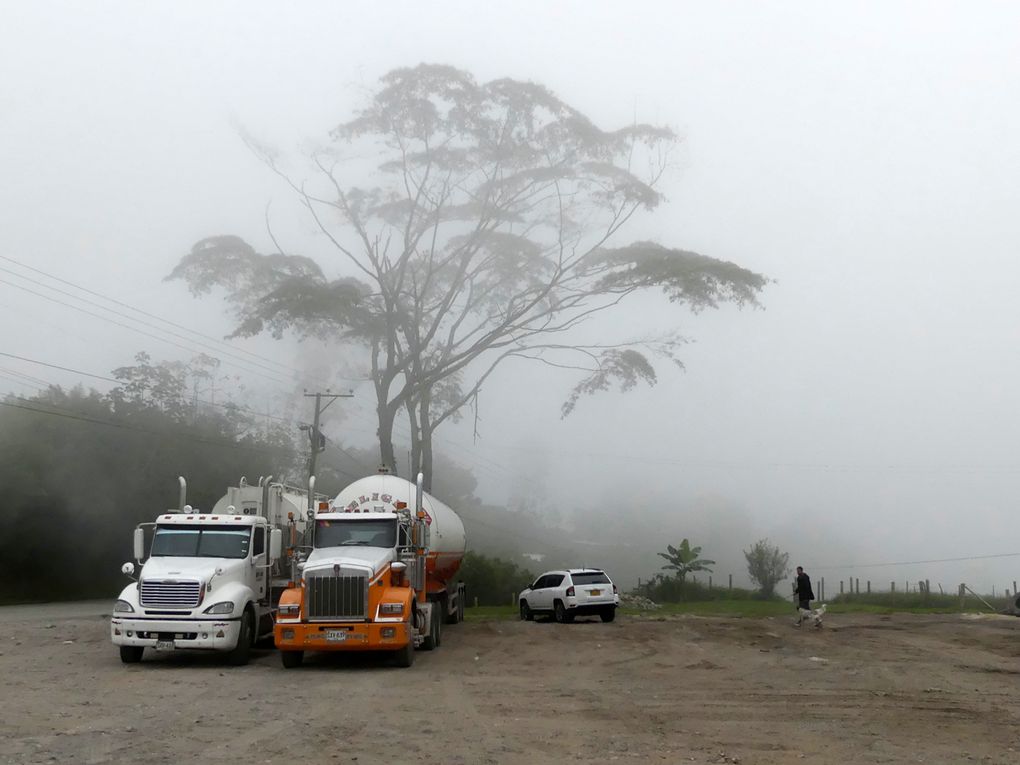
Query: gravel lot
[[865, 689]]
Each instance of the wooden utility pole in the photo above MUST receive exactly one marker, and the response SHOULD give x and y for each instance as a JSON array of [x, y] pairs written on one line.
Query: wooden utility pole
[[315, 437]]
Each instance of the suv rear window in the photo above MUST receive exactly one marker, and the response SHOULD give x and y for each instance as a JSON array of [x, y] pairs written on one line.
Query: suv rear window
[[590, 577]]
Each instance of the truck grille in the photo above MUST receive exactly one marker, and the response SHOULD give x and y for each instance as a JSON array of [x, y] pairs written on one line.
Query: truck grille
[[337, 597], [171, 594]]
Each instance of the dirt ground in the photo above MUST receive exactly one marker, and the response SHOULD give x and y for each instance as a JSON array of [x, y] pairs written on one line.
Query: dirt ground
[[865, 689]]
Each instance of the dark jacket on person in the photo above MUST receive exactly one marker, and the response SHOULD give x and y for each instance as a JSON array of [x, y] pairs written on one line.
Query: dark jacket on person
[[804, 591]]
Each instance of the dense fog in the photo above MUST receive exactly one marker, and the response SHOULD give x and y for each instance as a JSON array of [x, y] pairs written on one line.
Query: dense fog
[[863, 159]]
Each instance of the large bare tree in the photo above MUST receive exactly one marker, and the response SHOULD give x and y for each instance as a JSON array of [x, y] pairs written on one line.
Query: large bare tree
[[488, 229]]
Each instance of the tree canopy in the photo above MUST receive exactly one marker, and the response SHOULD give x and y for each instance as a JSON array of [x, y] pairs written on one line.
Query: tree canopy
[[487, 230], [766, 565]]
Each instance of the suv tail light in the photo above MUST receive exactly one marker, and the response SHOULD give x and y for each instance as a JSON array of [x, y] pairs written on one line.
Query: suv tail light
[[616, 590], [570, 591]]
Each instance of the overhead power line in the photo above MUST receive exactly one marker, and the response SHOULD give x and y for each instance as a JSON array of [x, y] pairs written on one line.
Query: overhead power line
[[126, 426], [250, 369], [280, 366], [226, 405], [63, 369], [919, 562]]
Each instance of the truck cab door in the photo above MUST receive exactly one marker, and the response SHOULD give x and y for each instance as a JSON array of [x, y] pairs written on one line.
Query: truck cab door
[[259, 557]]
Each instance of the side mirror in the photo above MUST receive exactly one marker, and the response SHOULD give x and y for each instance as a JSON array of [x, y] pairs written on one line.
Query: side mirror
[[128, 569], [275, 544], [139, 544]]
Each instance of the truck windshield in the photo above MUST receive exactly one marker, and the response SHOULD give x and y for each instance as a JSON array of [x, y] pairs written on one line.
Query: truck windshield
[[202, 541], [370, 533]]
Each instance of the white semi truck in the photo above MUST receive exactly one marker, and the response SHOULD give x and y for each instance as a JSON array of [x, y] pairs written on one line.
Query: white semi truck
[[211, 579]]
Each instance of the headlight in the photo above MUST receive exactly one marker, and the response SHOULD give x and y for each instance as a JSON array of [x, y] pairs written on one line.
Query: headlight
[[123, 607], [226, 607], [291, 609], [391, 608]]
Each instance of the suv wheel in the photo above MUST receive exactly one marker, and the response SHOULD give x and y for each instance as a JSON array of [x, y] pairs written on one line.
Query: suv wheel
[[608, 614], [561, 614], [526, 615]]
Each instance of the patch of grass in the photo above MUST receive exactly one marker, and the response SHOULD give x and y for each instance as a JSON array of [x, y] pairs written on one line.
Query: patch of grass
[[749, 608], [875, 603], [911, 602], [490, 613]]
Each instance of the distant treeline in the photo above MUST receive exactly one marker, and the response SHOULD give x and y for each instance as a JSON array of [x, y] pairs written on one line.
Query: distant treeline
[[79, 469]]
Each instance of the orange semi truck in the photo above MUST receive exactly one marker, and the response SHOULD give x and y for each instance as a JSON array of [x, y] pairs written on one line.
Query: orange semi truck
[[379, 575]]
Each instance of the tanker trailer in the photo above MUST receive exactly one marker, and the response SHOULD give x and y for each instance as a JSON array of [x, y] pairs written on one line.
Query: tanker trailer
[[379, 577]]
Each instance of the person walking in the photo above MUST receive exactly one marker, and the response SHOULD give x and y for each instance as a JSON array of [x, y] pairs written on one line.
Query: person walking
[[803, 590]]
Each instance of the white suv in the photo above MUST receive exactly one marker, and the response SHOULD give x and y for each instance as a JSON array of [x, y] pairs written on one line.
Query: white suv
[[570, 593]]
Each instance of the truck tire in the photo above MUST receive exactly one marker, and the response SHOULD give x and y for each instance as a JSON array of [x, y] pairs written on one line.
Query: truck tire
[[241, 653], [292, 659], [404, 657], [460, 606], [561, 614], [448, 616], [131, 654], [608, 614], [431, 641]]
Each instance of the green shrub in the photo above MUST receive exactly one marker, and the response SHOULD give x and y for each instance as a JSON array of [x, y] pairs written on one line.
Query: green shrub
[[669, 589], [492, 580]]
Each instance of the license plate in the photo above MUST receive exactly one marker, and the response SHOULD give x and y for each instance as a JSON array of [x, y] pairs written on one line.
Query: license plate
[[596, 592], [336, 636], [164, 645]]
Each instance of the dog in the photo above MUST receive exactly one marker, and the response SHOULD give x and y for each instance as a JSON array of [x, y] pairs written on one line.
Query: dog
[[812, 615]]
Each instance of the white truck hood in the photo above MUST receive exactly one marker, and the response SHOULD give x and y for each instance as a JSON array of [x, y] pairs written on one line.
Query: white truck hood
[[187, 568], [370, 560]]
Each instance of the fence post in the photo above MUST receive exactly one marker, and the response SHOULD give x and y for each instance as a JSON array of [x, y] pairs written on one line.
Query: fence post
[[840, 586], [869, 586], [1014, 588], [476, 601], [858, 585], [731, 581], [710, 584], [513, 598], [821, 588], [963, 596], [892, 586]]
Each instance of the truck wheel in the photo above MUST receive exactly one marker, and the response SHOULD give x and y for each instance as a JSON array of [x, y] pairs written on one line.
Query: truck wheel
[[292, 659], [460, 607], [241, 652], [431, 641], [526, 615], [405, 656], [131, 654], [608, 614], [560, 613]]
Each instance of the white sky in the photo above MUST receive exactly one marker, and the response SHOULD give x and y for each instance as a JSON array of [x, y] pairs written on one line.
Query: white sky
[[865, 156]]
